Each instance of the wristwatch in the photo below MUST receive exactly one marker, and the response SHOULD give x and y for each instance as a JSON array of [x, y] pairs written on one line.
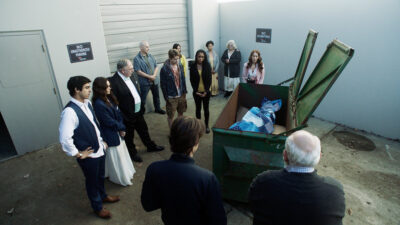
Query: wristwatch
[[80, 155]]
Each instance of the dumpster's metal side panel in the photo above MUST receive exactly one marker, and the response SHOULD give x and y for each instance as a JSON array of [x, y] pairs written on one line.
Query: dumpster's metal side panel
[[303, 62], [228, 114], [328, 69], [238, 159]]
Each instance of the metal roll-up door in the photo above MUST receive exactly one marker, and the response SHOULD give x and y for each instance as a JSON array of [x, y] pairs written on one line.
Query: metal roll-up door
[[127, 22]]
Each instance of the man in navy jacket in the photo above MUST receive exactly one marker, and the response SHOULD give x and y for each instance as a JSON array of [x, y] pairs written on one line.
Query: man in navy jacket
[[173, 85], [185, 192]]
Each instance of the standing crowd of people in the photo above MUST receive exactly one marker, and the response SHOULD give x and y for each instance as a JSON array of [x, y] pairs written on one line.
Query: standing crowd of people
[[100, 135]]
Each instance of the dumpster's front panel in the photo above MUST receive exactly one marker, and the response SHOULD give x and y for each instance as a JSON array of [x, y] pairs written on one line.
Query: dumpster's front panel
[[238, 158]]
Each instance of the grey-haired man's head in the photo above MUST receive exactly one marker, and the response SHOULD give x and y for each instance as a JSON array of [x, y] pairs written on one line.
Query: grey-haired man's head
[[302, 149]]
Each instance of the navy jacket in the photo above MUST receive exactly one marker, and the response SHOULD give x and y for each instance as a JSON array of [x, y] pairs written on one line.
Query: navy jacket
[[85, 134], [233, 65], [280, 197], [167, 80], [186, 193], [110, 120]]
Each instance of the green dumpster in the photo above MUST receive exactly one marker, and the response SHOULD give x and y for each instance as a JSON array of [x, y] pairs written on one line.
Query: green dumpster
[[238, 156]]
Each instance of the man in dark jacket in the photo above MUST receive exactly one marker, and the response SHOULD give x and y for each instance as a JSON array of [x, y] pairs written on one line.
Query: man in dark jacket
[[185, 192], [173, 85], [126, 88], [296, 194]]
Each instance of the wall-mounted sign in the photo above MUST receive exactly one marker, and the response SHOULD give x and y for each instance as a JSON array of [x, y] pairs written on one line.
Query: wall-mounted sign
[[263, 35], [80, 52]]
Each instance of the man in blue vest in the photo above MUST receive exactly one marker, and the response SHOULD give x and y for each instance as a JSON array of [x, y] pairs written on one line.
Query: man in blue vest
[[80, 137]]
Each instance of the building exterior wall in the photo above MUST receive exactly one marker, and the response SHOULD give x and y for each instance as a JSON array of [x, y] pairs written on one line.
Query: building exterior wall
[[366, 95], [127, 22], [203, 24], [63, 23]]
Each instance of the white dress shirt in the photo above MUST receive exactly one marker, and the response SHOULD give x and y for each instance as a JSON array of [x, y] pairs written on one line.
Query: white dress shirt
[[69, 122], [299, 169], [131, 87]]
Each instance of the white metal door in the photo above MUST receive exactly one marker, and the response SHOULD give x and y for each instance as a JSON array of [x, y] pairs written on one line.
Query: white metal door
[[28, 97]]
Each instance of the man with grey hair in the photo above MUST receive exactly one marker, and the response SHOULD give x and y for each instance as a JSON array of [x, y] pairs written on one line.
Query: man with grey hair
[[297, 194], [146, 67], [125, 87]]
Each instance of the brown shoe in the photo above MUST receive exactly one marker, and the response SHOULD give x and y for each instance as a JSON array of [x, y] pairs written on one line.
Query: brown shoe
[[104, 214], [111, 199]]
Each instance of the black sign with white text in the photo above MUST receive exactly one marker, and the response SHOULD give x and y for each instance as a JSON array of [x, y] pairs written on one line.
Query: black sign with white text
[[263, 35], [80, 52]]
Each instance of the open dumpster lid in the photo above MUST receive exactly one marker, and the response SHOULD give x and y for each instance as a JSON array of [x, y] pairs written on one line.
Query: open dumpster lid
[[303, 62], [328, 69]]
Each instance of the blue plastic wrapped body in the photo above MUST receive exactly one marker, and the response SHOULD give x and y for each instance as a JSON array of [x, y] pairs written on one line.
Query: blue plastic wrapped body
[[259, 119]]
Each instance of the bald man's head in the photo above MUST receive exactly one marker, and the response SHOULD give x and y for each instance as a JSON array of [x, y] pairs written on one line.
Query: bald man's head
[[144, 47], [303, 149]]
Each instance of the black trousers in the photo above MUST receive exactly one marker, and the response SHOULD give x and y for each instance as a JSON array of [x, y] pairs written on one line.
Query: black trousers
[[139, 124], [206, 102]]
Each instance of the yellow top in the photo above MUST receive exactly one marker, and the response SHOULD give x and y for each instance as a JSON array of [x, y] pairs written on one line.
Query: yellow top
[[211, 60], [201, 84], [184, 64]]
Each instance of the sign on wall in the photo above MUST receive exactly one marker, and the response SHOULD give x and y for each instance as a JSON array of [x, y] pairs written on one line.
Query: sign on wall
[[80, 52], [263, 35]]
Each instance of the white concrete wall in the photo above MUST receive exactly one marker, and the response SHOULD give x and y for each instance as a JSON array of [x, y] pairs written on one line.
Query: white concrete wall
[[366, 95], [63, 23], [203, 24]]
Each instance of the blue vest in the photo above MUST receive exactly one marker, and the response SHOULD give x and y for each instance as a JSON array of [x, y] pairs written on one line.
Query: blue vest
[[85, 134]]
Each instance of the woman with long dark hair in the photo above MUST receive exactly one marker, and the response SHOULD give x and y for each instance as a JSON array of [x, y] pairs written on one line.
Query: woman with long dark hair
[[200, 79], [119, 167], [253, 70]]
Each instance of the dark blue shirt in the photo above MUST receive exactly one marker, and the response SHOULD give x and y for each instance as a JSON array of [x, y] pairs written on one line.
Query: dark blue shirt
[[185, 192]]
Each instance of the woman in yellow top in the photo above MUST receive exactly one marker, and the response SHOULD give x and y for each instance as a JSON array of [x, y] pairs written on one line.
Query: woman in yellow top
[[200, 79], [183, 58], [214, 63]]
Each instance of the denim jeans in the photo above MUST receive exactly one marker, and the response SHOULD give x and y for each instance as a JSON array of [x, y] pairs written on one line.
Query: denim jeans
[[144, 90]]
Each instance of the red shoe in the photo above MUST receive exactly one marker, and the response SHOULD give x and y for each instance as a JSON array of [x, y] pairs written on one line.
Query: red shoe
[[111, 199], [103, 213]]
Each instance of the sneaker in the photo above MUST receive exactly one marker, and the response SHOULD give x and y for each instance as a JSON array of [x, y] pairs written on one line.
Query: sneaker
[[160, 111], [137, 158], [155, 148]]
